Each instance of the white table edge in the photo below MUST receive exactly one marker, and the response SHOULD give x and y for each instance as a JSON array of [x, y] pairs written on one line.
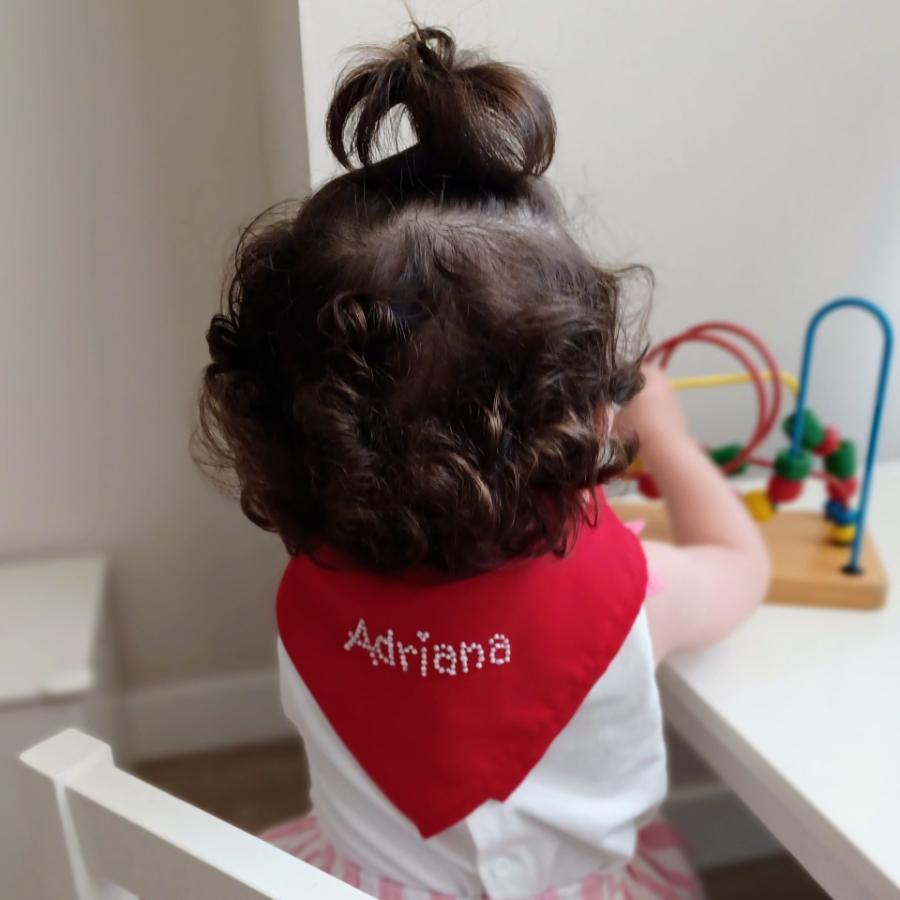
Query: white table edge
[[825, 852]]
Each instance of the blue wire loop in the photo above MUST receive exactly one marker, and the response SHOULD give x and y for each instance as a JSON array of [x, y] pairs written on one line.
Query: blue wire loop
[[887, 349]]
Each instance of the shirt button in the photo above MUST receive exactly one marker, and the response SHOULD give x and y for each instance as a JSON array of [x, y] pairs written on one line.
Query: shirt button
[[502, 867]]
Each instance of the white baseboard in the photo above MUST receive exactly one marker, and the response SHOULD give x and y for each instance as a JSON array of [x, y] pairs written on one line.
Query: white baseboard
[[244, 708], [203, 714]]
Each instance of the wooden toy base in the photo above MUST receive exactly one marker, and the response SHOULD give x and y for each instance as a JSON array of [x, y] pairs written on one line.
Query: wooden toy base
[[806, 567]]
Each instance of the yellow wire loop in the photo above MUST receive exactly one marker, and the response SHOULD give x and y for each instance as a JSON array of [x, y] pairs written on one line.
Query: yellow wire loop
[[705, 381]]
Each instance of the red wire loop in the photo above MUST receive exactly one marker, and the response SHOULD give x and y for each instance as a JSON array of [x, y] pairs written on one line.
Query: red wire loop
[[768, 404]]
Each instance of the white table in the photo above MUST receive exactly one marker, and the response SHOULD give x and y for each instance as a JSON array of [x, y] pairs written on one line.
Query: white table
[[799, 713]]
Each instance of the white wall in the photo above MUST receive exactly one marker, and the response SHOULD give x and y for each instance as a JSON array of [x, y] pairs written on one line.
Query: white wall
[[137, 137], [748, 152]]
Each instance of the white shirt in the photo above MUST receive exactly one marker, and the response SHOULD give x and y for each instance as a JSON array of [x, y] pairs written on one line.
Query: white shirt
[[577, 812]]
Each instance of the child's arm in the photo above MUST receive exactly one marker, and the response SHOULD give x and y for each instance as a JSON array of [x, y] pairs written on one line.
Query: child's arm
[[718, 570]]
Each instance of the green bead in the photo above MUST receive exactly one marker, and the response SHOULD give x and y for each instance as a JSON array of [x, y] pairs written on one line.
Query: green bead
[[842, 463], [793, 468], [813, 432], [723, 455]]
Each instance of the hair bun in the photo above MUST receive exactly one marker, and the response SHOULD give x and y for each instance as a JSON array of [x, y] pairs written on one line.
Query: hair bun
[[471, 117]]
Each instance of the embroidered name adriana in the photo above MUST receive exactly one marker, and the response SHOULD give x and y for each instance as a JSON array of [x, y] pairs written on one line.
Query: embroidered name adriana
[[424, 656]]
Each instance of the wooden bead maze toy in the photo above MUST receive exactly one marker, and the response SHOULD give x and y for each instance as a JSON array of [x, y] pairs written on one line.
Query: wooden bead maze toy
[[809, 551]]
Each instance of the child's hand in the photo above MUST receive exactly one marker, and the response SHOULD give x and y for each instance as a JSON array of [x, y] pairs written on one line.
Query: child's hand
[[655, 414]]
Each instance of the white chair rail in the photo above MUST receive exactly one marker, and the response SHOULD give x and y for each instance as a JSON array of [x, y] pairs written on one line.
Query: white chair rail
[[102, 834]]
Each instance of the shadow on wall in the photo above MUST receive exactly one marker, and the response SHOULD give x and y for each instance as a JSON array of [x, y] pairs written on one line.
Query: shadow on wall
[[139, 137]]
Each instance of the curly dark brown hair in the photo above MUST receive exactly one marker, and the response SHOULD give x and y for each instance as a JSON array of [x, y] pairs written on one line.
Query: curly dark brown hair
[[416, 367]]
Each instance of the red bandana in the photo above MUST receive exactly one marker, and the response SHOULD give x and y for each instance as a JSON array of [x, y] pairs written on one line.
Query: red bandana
[[449, 693]]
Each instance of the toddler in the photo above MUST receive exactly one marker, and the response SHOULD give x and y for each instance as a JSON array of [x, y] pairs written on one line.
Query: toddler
[[415, 381]]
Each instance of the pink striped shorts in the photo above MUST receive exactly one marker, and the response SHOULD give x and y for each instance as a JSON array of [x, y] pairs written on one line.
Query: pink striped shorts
[[659, 871]]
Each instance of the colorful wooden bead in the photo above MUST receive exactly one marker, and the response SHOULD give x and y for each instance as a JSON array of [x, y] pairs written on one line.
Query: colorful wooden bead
[[783, 490], [842, 462], [647, 486], [759, 505], [723, 455], [842, 489], [839, 513], [793, 468], [830, 442], [843, 534], [812, 434]]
